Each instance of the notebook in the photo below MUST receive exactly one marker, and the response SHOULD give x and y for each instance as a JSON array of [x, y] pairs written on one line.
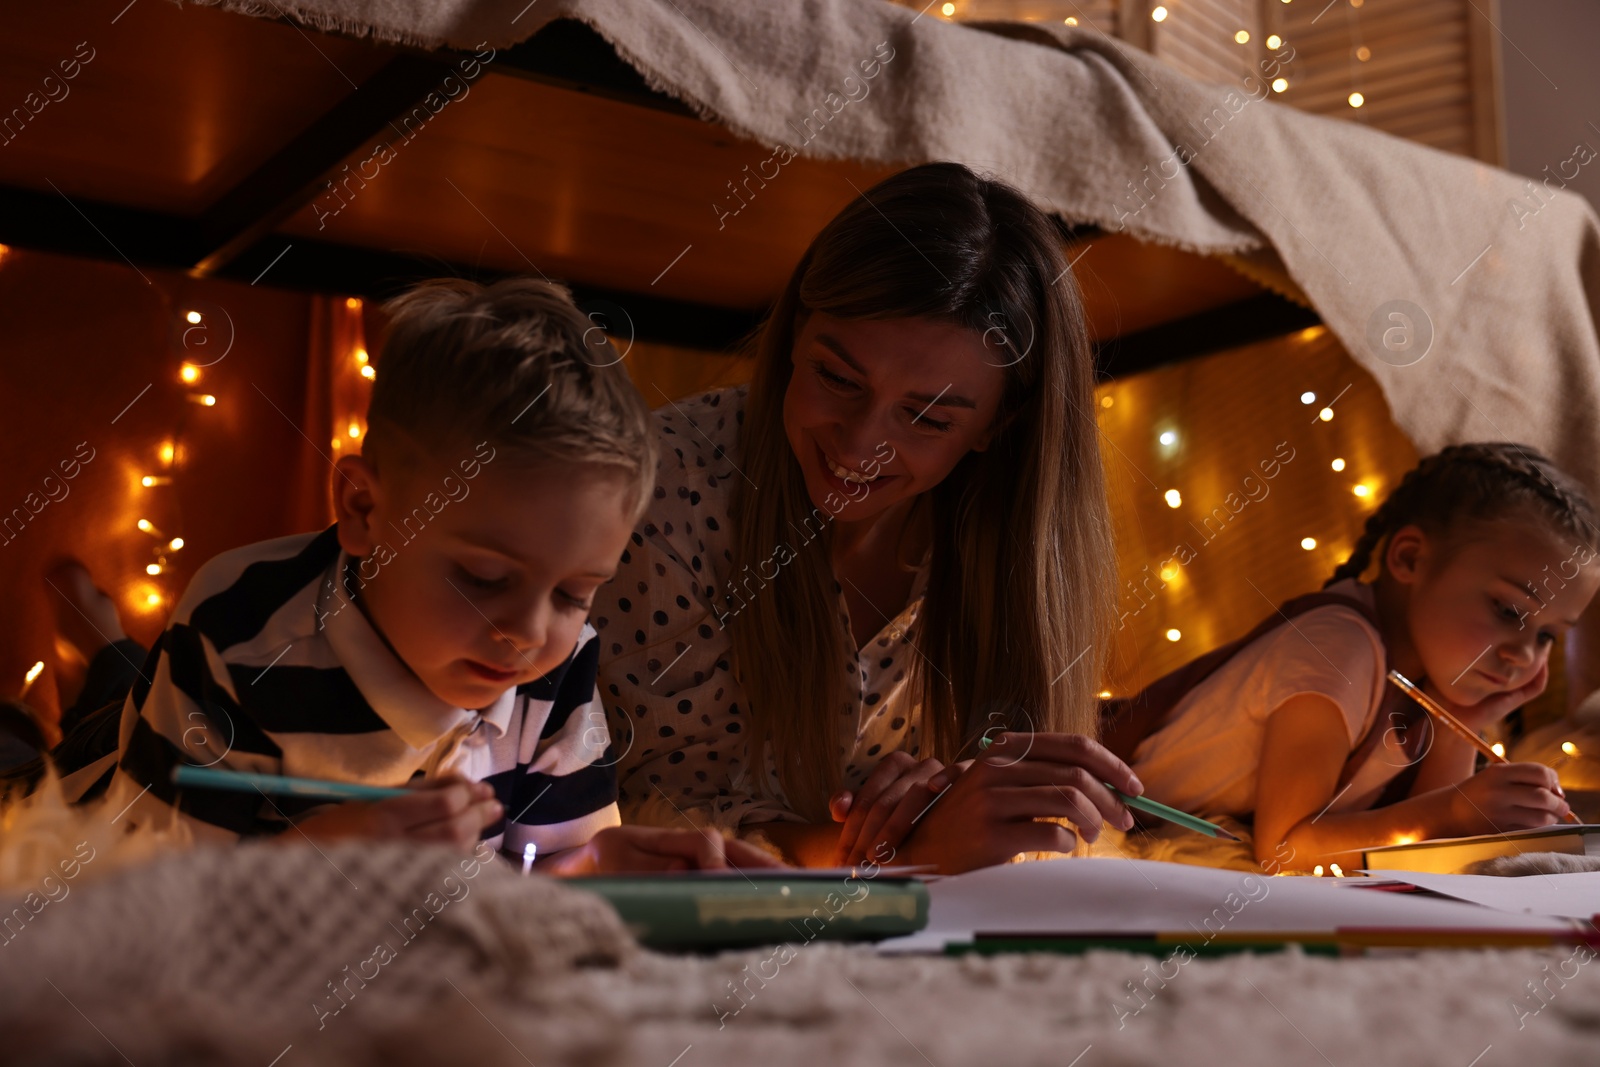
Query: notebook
[[1450, 855]]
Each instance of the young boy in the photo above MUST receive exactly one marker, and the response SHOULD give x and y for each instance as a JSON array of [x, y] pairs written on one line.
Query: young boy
[[436, 634]]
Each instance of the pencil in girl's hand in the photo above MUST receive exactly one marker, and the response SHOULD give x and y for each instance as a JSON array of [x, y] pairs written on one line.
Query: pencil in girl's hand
[[1161, 811], [1451, 723], [279, 785]]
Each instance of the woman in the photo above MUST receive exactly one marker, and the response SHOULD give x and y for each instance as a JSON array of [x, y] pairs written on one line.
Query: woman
[[894, 544]]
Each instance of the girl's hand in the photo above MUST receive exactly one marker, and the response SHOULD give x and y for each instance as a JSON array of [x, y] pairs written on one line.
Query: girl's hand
[[1507, 796], [1492, 709], [646, 849], [991, 808], [450, 810], [897, 776]]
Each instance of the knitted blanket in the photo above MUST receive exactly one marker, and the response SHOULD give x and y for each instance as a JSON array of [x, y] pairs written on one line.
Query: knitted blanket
[[1468, 292], [366, 954]]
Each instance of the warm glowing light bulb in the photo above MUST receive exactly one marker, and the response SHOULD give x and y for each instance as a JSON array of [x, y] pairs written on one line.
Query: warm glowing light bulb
[[948, 10], [1499, 749], [1569, 748], [147, 526], [1338, 464], [1362, 489], [368, 373], [1317, 870], [1104, 694], [1326, 414], [361, 355], [1174, 498], [193, 317], [175, 544], [168, 452], [1159, 14], [1274, 42], [153, 599], [1363, 53], [1308, 397], [1242, 37], [154, 479], [355, 428], [1173, 635], [205, 400], [1280, 84], [1169, 438], [1356, 100], [353, 303], [1106, 401], [189, 373], [1404, 839], [1308, 543], [1337, 873], [1072, 20], [1169, 572], [152, 569], [33, 673]]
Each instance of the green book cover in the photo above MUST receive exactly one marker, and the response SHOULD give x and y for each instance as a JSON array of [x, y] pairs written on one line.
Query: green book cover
[[690, 911]]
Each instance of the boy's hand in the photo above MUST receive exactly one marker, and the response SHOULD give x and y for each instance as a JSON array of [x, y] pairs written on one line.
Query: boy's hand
[[448, 810], [648, 849], [1507, 796]]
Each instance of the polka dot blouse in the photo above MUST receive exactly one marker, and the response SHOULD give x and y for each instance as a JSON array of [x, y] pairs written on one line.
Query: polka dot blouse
[[674, 709]]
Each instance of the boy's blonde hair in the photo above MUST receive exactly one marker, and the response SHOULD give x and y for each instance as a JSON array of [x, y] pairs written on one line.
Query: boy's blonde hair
[[515, 364]]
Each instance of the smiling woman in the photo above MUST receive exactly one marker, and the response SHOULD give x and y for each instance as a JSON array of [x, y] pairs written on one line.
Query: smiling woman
[[914, 480]]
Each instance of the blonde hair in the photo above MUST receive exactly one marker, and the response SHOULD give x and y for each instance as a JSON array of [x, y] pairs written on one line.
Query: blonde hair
[[516, 364], [1013, 629]]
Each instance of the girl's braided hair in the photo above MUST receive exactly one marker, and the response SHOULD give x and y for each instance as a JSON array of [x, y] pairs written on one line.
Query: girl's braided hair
[[1476, 482]]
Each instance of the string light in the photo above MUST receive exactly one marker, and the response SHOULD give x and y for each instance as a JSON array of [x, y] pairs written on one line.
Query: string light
[[1169, 438], [193, 318], [1280, 84], [1326, 414], [1170, 572], [1569, 748], [174, 545], [152, 569], [948, 10], [1104, 694], [1174, 498], [1308, 543], [1361, 489], [368, 373], [1317, 870], [33, 671], [150, 480], [205, 400], [1337, 464], [169, 452], [1072, 20], [1106, 401], [353, 303], [361, 356], [1499, 749], [1242, 37], [153, 599], [189, 373], [148, 527], [1337, 873], [355, 428], [1274, 42], [1404, 839], [1356, 100], [1159, 14], [1363, 53], [1308, 397], [1174, 634]]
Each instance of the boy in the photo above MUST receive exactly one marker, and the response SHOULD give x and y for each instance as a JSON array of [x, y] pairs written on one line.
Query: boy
[[437, 633]]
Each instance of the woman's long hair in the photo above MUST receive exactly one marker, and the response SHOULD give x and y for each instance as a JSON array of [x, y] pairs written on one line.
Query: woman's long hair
[[1014, 628]]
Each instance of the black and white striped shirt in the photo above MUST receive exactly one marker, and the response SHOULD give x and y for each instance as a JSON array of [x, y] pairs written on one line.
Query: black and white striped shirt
[[261, 669]]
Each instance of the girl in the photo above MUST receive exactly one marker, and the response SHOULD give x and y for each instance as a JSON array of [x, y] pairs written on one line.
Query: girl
[[1485, 558], [895, 541]]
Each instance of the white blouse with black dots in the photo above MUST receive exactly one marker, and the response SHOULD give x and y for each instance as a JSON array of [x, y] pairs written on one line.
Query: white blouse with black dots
[[676, 714]]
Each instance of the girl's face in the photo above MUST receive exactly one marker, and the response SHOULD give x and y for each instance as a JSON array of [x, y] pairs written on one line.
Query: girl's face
[[1482, 618], [879, 411]]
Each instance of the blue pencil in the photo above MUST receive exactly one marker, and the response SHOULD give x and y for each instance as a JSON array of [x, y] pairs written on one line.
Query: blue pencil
[[279, 785]]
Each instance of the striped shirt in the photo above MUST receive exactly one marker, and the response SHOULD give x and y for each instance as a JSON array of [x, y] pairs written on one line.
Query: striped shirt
[[263, 669]]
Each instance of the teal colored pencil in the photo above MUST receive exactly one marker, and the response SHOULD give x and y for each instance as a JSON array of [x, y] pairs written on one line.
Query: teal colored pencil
[[279, 785], [1161, 811]]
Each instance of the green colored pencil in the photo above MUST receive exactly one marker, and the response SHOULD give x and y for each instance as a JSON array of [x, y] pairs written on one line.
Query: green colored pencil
[[1151, 807]]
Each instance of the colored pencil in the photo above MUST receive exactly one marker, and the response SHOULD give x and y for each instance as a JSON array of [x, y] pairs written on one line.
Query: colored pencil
[[1161, 811], [1453, 724], [279, 785]]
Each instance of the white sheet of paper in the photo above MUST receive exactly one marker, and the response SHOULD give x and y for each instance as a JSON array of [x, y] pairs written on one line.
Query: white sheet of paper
[[1127, 896], [1574, 896]]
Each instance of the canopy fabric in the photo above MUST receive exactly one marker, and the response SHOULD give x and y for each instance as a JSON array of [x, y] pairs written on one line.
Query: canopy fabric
[[1468, 292]]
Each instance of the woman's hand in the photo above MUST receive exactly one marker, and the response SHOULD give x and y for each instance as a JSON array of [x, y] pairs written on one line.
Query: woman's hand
[[648, 849], [1507, 796], [864, 814], [450, 810], [987, 809]]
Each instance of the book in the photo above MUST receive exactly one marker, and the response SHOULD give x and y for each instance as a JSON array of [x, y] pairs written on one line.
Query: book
[[1452, 855], [692, 911]]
